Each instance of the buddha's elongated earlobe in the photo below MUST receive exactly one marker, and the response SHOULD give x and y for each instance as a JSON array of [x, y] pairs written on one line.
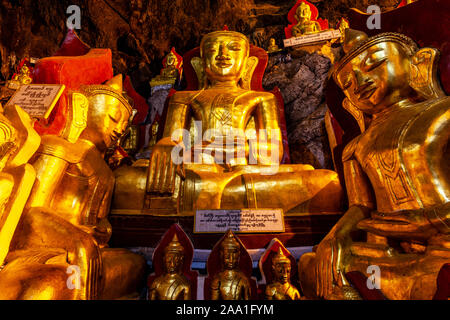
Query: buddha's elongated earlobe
[[197, 64], [423, 75], [246, 79]]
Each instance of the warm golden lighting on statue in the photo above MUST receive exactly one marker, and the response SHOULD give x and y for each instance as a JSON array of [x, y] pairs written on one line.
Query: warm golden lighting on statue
[[230, 283], [229, 166], [281, 288], [396, 172], [304, 25], [172, 285], [65, 220]]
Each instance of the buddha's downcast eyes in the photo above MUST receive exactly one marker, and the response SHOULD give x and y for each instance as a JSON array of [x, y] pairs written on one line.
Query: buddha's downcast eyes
[[235, 46], [374, 59]]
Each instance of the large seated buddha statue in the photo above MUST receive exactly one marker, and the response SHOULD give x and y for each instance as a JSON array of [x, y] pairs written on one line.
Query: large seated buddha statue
[[226, 163], [397, 175], [59, 249]]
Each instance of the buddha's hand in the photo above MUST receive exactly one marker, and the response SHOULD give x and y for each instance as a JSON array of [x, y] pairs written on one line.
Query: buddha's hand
[[330, 257], [333, 252], [407, 224], [165, 163], [85, 254]]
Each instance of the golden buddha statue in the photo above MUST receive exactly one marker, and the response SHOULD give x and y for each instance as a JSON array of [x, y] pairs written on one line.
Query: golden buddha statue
[[169, 73], [227, 171], [281, 288], [304, 25], [172, 285], [18, 142], [396, 172], [21, 78], [230, 283], [273, 47], [64, 226]]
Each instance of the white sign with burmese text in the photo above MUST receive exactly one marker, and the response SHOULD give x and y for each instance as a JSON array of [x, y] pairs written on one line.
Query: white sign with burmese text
[[243, 220], [37, 100]]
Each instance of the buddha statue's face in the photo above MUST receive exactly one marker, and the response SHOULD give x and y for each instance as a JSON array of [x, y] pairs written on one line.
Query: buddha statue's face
[[106, 121], [224, 55], [171, 60], [272, 42], [304, 11], [282, 271], [173, 262], [230, 258], [377, 78]]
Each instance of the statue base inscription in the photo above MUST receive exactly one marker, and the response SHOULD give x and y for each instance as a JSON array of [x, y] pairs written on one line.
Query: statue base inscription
[[312, 38], [240, 220]]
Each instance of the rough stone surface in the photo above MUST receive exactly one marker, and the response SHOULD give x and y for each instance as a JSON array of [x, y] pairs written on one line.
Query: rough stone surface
[[156, 103], [141, 32], [301, 82]]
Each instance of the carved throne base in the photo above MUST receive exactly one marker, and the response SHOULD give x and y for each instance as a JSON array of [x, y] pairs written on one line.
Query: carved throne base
[[144, 230]]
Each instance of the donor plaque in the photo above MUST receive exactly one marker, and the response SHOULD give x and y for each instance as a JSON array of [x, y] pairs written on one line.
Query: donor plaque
[[239, 220]]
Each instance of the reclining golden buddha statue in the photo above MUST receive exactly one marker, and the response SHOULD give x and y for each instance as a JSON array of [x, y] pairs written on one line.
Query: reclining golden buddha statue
[[397, 174], [233, 167], [59, 249]]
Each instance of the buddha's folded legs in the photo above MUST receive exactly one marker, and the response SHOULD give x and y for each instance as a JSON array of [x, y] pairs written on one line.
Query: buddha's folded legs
[[296, 191]]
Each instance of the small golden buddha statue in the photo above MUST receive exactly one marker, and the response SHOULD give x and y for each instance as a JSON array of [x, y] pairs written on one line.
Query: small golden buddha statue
[[169, 73], [230, 283], [273, 47], [304, 25], [23, 77], [281, 288], [172, 285], [230, 168], [65, 224], [396, 173]]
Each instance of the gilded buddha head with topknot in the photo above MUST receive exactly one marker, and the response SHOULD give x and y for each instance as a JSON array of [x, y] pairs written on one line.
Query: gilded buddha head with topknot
[[224, 55], [173, 256], [230, 251], [380, 71], [107, 114], [281, 267]]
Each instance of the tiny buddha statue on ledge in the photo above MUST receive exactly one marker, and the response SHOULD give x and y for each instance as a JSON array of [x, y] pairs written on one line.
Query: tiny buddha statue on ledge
[[230, 283], [273, 47], [171, 70], [172, 285], [281, 287], [397, 174]]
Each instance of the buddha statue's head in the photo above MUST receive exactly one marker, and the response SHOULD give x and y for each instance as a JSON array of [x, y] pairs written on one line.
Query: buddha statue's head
[[108, 113], [303, 12], [272, 42], [173, 256], [224, 55], [281, 267], [230, 251], [383, 70], [171, 60]]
